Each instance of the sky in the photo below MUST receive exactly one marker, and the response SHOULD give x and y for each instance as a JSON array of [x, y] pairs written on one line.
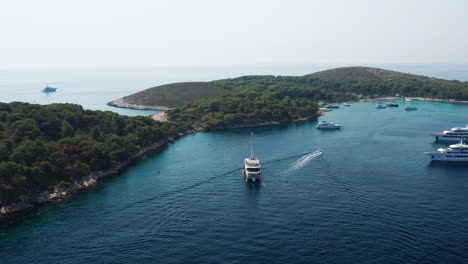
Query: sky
[[95, 33]]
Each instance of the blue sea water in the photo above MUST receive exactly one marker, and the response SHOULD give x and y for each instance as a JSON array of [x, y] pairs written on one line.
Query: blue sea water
[[371, 197]]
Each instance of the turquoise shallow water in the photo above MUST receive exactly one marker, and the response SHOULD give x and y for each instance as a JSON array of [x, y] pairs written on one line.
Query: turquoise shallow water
[[371, 197]]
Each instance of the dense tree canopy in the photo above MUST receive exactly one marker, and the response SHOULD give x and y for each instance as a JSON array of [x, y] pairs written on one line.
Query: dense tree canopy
[[253, 103], [410, 85], [41, 146]]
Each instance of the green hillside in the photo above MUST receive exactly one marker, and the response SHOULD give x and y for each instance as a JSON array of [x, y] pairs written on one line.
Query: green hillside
[[365, 81], [365, 73], [175, 94]]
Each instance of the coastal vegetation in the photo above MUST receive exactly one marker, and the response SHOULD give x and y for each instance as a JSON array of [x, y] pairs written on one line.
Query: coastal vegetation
[[42, 146], [256, 103], [356, 81], [175, 94], [45, 146]]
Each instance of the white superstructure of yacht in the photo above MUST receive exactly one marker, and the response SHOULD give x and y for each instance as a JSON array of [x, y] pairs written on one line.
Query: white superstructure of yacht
[[328, 125], [456, 152], [252, 165], [454, 134]]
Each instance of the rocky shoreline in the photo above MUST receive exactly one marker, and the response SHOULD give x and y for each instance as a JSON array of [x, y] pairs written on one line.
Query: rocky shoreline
[[121, 103], [416, 99], [9, 212]]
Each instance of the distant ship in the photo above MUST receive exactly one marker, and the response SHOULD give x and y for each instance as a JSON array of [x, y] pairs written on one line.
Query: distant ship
[[328, 125], [454, 134], [252, 165], [346, 104], [392, 104], [456, 152], [49, 89]]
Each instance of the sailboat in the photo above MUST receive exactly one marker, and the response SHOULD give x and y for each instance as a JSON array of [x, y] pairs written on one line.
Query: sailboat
[[252, 165]]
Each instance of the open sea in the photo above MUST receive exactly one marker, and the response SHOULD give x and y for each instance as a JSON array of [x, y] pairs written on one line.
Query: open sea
[[372, 196]]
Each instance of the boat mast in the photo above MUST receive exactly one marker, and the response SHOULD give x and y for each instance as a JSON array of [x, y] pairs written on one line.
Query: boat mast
[[251, 145]]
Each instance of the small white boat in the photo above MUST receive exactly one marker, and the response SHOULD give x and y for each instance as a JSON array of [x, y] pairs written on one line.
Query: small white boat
[[456, 152], [346, 104], [380, 106], [328, 125], [332, 106], [408, 100]]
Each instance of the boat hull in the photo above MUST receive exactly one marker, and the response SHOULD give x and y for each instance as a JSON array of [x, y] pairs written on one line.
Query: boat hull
[[435, 156], [251, 176], [439, 137]]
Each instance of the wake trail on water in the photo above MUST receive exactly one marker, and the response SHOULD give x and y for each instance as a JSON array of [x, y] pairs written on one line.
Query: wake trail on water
[[304, 160]]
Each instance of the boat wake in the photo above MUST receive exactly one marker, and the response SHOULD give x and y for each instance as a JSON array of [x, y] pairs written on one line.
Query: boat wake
[[304, 160]]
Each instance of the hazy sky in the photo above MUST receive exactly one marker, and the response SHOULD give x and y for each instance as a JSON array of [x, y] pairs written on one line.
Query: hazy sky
[[56, 33]]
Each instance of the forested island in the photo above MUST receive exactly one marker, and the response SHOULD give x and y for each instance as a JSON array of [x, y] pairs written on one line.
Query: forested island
[[45, 149], [364, 81]]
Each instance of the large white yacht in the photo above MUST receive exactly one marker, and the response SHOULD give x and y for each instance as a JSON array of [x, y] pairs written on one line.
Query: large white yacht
[[328, 125], [454, 134], [456, 152], [252, 165]]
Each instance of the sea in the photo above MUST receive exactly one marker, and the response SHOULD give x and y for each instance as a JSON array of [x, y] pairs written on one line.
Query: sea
[[370, 196]]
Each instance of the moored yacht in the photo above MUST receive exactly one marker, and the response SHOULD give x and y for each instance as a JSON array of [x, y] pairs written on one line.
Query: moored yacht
[[332, 106], [328, 125], [380, 106], [454, 134], [252, 165], [456, 152], [392, 104], [411, 107]]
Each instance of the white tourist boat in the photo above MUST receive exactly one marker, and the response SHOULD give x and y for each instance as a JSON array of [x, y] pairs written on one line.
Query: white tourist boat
[[454, 134], [456, 152], [328, 125], [252, 167]]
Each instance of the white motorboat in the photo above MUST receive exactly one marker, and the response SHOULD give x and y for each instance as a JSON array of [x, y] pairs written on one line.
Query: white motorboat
[[328, 125]]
